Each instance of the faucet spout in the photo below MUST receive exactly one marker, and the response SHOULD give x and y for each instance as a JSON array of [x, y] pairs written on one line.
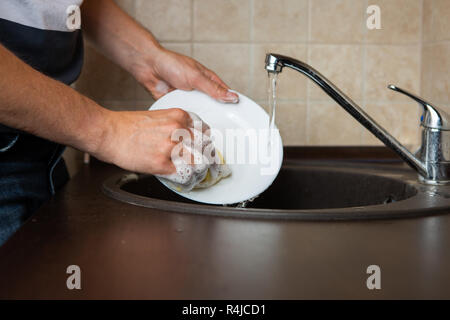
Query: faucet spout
[[275, 64]]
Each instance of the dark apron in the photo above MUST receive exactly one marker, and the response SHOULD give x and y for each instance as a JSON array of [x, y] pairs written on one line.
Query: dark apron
[[31, 168]]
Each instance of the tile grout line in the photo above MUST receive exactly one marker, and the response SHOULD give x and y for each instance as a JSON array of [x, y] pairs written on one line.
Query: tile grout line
[[436, 42], [136, 84], [305, 42], [251, 80], [364, 66], [138, 103], [309, 43], [330, 101], [308, 58], [421, 34], [192, 27]]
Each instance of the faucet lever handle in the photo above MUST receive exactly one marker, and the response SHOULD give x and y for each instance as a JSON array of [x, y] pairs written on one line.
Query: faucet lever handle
[[432, 117]]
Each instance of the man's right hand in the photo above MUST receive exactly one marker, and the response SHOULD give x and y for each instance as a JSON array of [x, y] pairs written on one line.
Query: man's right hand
[[140, 141]]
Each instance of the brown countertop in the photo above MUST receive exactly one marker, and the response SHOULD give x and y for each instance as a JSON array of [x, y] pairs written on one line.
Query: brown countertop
[[125, 251]]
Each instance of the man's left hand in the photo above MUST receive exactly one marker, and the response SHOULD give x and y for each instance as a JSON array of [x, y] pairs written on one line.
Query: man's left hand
[[169, 71]]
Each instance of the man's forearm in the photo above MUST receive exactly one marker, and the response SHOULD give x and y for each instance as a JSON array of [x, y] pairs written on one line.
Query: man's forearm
[[37, 104], [118, 36], [135, 49]]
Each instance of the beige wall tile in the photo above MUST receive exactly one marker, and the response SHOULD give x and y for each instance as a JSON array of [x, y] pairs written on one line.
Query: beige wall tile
[[337, 20], [339, 44], [167, 20], [427, 87], [436, 73], [283, 20], [229, 61], [73, 159], [103, 81], [218, 20], [399, 65], [292, 85], [329, 124], [342, 64], [142, 95], [400, 119], [183, 48], [400, 22], [445, 107], [127, 5], [291, 121], [436, 20], [127, 106]]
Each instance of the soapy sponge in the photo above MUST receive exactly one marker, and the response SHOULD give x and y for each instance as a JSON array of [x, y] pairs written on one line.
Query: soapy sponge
[[206, 171], [215, 173]]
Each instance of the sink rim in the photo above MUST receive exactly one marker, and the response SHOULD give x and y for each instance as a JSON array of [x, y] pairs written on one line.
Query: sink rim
[[414, 206]]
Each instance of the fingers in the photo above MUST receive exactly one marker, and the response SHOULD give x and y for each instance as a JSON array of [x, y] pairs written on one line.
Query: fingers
[[172, 146], [214, 77], [182, 119], [175, 116], [188, 141], [215, 88], [197, 123], [167, 167]]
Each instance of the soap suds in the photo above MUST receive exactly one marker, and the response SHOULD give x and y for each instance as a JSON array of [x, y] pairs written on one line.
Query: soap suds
[[162, 87], [208, 166]]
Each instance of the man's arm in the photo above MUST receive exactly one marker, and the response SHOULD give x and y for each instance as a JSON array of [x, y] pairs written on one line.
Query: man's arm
[[135, 49], [37, 104]]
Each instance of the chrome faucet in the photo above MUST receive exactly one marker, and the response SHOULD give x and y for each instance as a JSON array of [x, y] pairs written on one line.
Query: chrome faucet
[[431, 161]]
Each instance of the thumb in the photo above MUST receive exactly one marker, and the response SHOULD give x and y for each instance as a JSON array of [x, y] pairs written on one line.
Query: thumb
[[216, 90]]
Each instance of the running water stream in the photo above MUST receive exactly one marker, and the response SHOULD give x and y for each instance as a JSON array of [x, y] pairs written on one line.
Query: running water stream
[[272, 92]]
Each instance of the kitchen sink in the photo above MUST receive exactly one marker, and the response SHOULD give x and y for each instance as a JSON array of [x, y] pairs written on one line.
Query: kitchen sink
[[315, 190]]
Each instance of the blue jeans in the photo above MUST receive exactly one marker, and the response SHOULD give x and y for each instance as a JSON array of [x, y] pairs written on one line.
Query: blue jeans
[[31, 170]]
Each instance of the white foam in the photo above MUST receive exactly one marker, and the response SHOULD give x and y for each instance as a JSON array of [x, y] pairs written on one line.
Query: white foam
[[192, 175], [162, 87]]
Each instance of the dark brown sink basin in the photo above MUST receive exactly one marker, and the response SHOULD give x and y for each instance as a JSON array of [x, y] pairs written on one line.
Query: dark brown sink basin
[[312, 188], [314, 191]]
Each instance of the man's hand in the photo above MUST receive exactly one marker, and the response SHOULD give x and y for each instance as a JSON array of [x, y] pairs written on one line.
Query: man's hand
[[136, 50], [169, 70], [141, 141], [136, 141]]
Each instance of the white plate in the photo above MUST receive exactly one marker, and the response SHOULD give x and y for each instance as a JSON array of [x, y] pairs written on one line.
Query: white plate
[[249, 178]]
